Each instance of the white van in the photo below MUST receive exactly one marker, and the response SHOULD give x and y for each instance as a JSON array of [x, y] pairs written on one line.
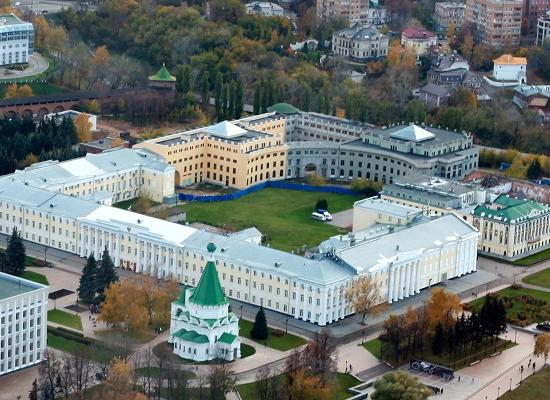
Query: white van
[[328, 216], [318, 217]]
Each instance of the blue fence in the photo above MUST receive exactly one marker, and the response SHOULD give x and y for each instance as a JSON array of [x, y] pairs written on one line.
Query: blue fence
[[260, 186]]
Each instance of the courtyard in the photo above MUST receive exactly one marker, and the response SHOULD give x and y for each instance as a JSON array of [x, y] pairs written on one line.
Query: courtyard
[[283, 216]]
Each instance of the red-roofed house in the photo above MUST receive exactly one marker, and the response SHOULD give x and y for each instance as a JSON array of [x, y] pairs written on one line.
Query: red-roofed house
[[420, 40]]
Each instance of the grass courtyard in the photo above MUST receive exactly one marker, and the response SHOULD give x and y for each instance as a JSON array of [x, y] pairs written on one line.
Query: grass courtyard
[[533, 388], [35, 277], [523, 306], [283, 215], [533, 258], [66, 319], [248, 391], [541, 278], [275, 340]]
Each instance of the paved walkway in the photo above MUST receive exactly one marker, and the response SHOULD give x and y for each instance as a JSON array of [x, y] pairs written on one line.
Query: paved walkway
[[37, 65]]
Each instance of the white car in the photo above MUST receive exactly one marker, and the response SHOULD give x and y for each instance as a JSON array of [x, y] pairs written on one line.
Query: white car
[[17, 4], [318, 216], [326, 214]]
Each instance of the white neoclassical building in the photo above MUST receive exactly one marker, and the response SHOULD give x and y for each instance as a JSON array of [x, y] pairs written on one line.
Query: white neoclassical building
[[201, 327]]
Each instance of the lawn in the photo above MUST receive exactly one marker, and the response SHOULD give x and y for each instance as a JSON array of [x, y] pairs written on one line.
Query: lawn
[[342, 384], [63, 344], [374, 347], [284, 216], [523, 306], [533, 388], [36, 262], [533, 258], [65, 318], [139, 337], [246, 350], [35, 277], [541, 278], [283, 343]]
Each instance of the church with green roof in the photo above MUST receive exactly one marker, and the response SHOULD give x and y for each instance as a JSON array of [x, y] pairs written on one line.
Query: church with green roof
[[162, 80], [201, 326]]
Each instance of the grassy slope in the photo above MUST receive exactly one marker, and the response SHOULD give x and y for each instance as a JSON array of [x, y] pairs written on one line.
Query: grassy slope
[[533, 388], [283, 215], [282, 343], [65, 318], [541, 278]]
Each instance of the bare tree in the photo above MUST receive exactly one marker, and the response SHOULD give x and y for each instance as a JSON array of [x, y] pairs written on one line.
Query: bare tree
[[363, 295], [48, 375], [321, 355], [222, 381]]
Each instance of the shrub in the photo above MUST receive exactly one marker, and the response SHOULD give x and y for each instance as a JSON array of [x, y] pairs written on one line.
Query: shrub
[[277, 332], [516, 286], [65, 333]]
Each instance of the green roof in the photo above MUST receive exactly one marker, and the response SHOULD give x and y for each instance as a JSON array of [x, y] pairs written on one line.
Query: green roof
[[209, 290], [162, 75], [191, 336], [182, 296], [510, 209], [227, 338], [283, 108]]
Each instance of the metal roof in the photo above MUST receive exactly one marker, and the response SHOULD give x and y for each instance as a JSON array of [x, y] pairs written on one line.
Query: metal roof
[[11, 286]]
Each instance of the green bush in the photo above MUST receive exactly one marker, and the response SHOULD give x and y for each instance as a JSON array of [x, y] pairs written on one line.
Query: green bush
[[69, 335]]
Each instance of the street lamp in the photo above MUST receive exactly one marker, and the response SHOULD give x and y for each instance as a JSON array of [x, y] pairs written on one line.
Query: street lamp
[[515, 336], [286, 325], [510, 384], [498, 392], [487, 291], [363, 337], [242, 311]]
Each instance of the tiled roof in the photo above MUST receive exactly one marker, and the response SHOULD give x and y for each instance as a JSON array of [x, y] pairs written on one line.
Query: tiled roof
[[508, 59], [413, 33]]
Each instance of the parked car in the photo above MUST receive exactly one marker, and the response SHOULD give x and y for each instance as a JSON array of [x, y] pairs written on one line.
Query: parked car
[[328, 216], [318, 216], [544, 326]]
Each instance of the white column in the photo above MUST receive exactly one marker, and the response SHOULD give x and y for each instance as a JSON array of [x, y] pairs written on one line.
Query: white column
[[104, 243], [82, 233], [341, 292], [395, 283], [117, 250], [399, 283], [390, 285], [154, 264], [89, 248], [138, 262], [323, 309], [418, 275], [96, 244], [145, 267], [408, 271]]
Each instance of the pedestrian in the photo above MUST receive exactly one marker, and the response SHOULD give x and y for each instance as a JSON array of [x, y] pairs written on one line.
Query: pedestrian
[[350, 368], [472, 379], [459, 378], [529, 364], [533, 366], [441, 390]]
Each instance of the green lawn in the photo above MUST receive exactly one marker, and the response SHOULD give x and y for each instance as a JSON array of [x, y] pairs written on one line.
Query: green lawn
[[541, 278], [374, 347], [35, 277], [533, 258], [246, 350], [523, 306], [63, 344], [342, 383], [65, 318], [282, 343], [139, 337], [283, 215], [533, 388], [36, 263]]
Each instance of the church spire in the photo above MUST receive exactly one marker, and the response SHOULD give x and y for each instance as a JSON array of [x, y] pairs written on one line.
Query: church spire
[[209, 290]]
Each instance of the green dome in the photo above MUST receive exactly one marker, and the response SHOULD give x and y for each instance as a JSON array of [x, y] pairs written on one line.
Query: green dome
[[283, 108], [163, 75], [211, 247]]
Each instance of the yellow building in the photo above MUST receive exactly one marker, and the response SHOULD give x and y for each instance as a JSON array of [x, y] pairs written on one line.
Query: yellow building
[[226, 154]]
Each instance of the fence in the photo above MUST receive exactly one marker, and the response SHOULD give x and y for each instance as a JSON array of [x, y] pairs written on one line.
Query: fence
[[260, 186]]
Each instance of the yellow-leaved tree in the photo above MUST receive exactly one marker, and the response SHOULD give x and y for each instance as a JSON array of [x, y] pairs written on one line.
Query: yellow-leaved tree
[[443, 307], [120, 308], [542, 346], [83, 128], [362, 295], [119, 384]]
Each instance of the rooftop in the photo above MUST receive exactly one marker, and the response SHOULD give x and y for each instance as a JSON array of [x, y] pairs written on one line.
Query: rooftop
[[511, 210], [414, 33], [283, 108], [10, 22], [508, 59], [360, 31], [383, 206], [209, 291], [191, 336], [11, 286], [436, 90], [162, 75]]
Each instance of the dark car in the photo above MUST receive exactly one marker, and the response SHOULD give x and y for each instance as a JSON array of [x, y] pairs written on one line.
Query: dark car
[[544, 326]]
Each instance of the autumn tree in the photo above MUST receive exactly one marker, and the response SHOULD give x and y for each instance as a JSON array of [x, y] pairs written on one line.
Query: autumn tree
[[222, 381], [400, 385], [119, 312], [542, 346], [56, 41], [467, 46], [154, 298], [83, 128], [442, 307], [119, 384], [320, 355], [363, 294], [14, 91]]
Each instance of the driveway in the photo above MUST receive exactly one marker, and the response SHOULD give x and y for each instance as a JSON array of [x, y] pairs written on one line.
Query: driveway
[[343, 219]]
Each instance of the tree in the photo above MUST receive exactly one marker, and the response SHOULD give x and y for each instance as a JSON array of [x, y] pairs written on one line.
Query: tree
[[467, 46], [259, 329], [442, 307], [542, 346], [24, 91], [319, 355], [11, 91], [535, 170], [239, 101], [321, 204], [154, 298], [222, 381], [400, 385], [33, 394], [15, 254], [119, 384], [438, 342], [316, 179], [257, 100], [363, 295], [394, 331], [119, 312], [205, 88], [83, 128], [106, 273], [87, 288], [451, 31]]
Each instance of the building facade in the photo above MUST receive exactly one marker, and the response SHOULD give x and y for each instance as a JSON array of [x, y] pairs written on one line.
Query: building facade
[[226, 154], [418, 40], [264, 8], [535, 97], [512, 228], [495, 22], [447, 12], [543, 28], [510, 68], [449, 70], [17, 40], [353, 11], [360, 43], [23, 321], [201, 326], [536, 8]]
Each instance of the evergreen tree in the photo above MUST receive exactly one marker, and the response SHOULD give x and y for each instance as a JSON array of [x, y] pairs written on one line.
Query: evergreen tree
[[259, 329], [222, 115], [535, 170], [306, 98], [438, 341], [33, 394], [239, 99], [106, 273], [218, 87], [257, 101], [205, 88], [15, 254], [88, 280], [321, 204], [232, 100]]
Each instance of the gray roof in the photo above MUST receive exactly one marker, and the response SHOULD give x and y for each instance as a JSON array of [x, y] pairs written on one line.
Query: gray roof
[[11, 286], [382, 206], [436, 90], [318, 271], [46, 201], [372, 255], [412, 133], [246, 234], [359, 31]]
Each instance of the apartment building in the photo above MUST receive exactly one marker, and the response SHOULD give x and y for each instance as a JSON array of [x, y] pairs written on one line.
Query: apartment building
[[226, 154], [447, 12], [17, 40], [123, 173], [543, 28], [265, 8], [536, 8], [512, 228], [495, 22], [360, 43], [418, 40], [353, 11], [23, 321]]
